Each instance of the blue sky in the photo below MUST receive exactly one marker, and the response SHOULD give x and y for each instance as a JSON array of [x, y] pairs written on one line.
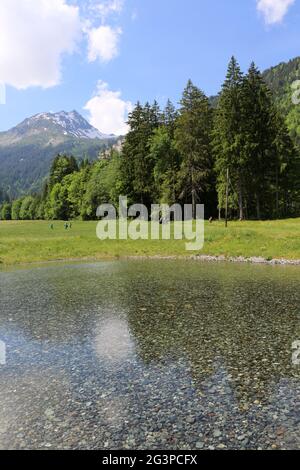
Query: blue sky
[[100, 57]]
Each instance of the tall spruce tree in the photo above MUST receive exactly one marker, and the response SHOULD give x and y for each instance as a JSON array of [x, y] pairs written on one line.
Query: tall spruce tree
[[129, 151], [259, 138], [228, 138], [165, 157], [192, 140], [169, 118], [137, 164], [287, 172], [268, 149]]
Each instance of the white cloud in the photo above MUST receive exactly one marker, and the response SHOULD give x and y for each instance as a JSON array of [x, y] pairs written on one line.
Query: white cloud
[[108, 112], [34, 35], [103, 43], [274, 11]]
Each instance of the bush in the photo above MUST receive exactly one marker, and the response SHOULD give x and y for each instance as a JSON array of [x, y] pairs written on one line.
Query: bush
[[6, 211]]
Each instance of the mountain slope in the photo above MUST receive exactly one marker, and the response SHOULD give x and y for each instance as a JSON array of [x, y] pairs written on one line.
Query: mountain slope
[[51, 128], [280, 79], [26, 151]]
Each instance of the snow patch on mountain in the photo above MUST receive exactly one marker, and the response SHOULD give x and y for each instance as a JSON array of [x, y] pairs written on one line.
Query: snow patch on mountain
[[71, 123]]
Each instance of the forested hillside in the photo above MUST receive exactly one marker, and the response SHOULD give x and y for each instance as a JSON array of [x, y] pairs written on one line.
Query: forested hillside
[[280, 79], [25, 166]]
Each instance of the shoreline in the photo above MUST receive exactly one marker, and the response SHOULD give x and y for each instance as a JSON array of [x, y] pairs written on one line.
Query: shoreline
[[200, 258], [225, 259], [251, 260]]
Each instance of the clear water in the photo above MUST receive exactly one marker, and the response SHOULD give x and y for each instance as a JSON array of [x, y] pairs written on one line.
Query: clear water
[[150, 355]]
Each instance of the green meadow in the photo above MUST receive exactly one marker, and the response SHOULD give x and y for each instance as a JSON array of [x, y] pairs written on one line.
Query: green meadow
[[35, 241]]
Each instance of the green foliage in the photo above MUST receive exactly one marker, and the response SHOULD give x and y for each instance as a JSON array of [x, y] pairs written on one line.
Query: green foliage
[[76, 187], [3, 195], [27, 208], [16, 208], [137, 164], [193, 142], [61, 166], [58, 204], [280, 79], [6, 211], [228, 136], [251, 140], [166, 165], [98, 189]]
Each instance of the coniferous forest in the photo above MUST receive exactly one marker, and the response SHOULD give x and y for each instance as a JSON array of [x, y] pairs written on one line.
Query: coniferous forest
[[184, 154]]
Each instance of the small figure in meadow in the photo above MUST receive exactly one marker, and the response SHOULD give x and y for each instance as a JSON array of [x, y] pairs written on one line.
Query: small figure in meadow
[[66, 225], [51, 226]]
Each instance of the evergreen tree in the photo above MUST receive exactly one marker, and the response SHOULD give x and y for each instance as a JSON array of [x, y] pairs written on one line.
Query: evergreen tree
[[62, 166], [192, 140], [15, 209], [259, 136], [26, 210], [286, 175], [58, 205], [166, 158], [3, 196], [268, 149], [169, 118], [228, 137], [129, 150], [6, 211], [137, 163]]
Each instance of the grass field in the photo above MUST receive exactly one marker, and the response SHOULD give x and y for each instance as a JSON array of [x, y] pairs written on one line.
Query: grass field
[[34, 241]]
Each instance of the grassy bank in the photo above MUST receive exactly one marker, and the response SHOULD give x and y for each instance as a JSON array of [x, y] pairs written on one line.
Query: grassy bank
[[34, 241]]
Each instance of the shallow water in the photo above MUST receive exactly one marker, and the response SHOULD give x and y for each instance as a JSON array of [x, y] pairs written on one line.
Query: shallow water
[[151, 355]]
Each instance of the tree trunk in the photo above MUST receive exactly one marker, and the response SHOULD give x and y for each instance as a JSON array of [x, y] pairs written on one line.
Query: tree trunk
[[227, 194], [241, 209], [193, 196], [277, 194], [257, 207], [194, 203]]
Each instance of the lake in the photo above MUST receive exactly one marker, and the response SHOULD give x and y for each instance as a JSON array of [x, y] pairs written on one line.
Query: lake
[[150, 355]]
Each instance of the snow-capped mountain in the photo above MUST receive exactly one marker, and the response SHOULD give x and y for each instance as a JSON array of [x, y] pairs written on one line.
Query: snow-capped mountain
[[70, 123], [53, 126], [27, 150]]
